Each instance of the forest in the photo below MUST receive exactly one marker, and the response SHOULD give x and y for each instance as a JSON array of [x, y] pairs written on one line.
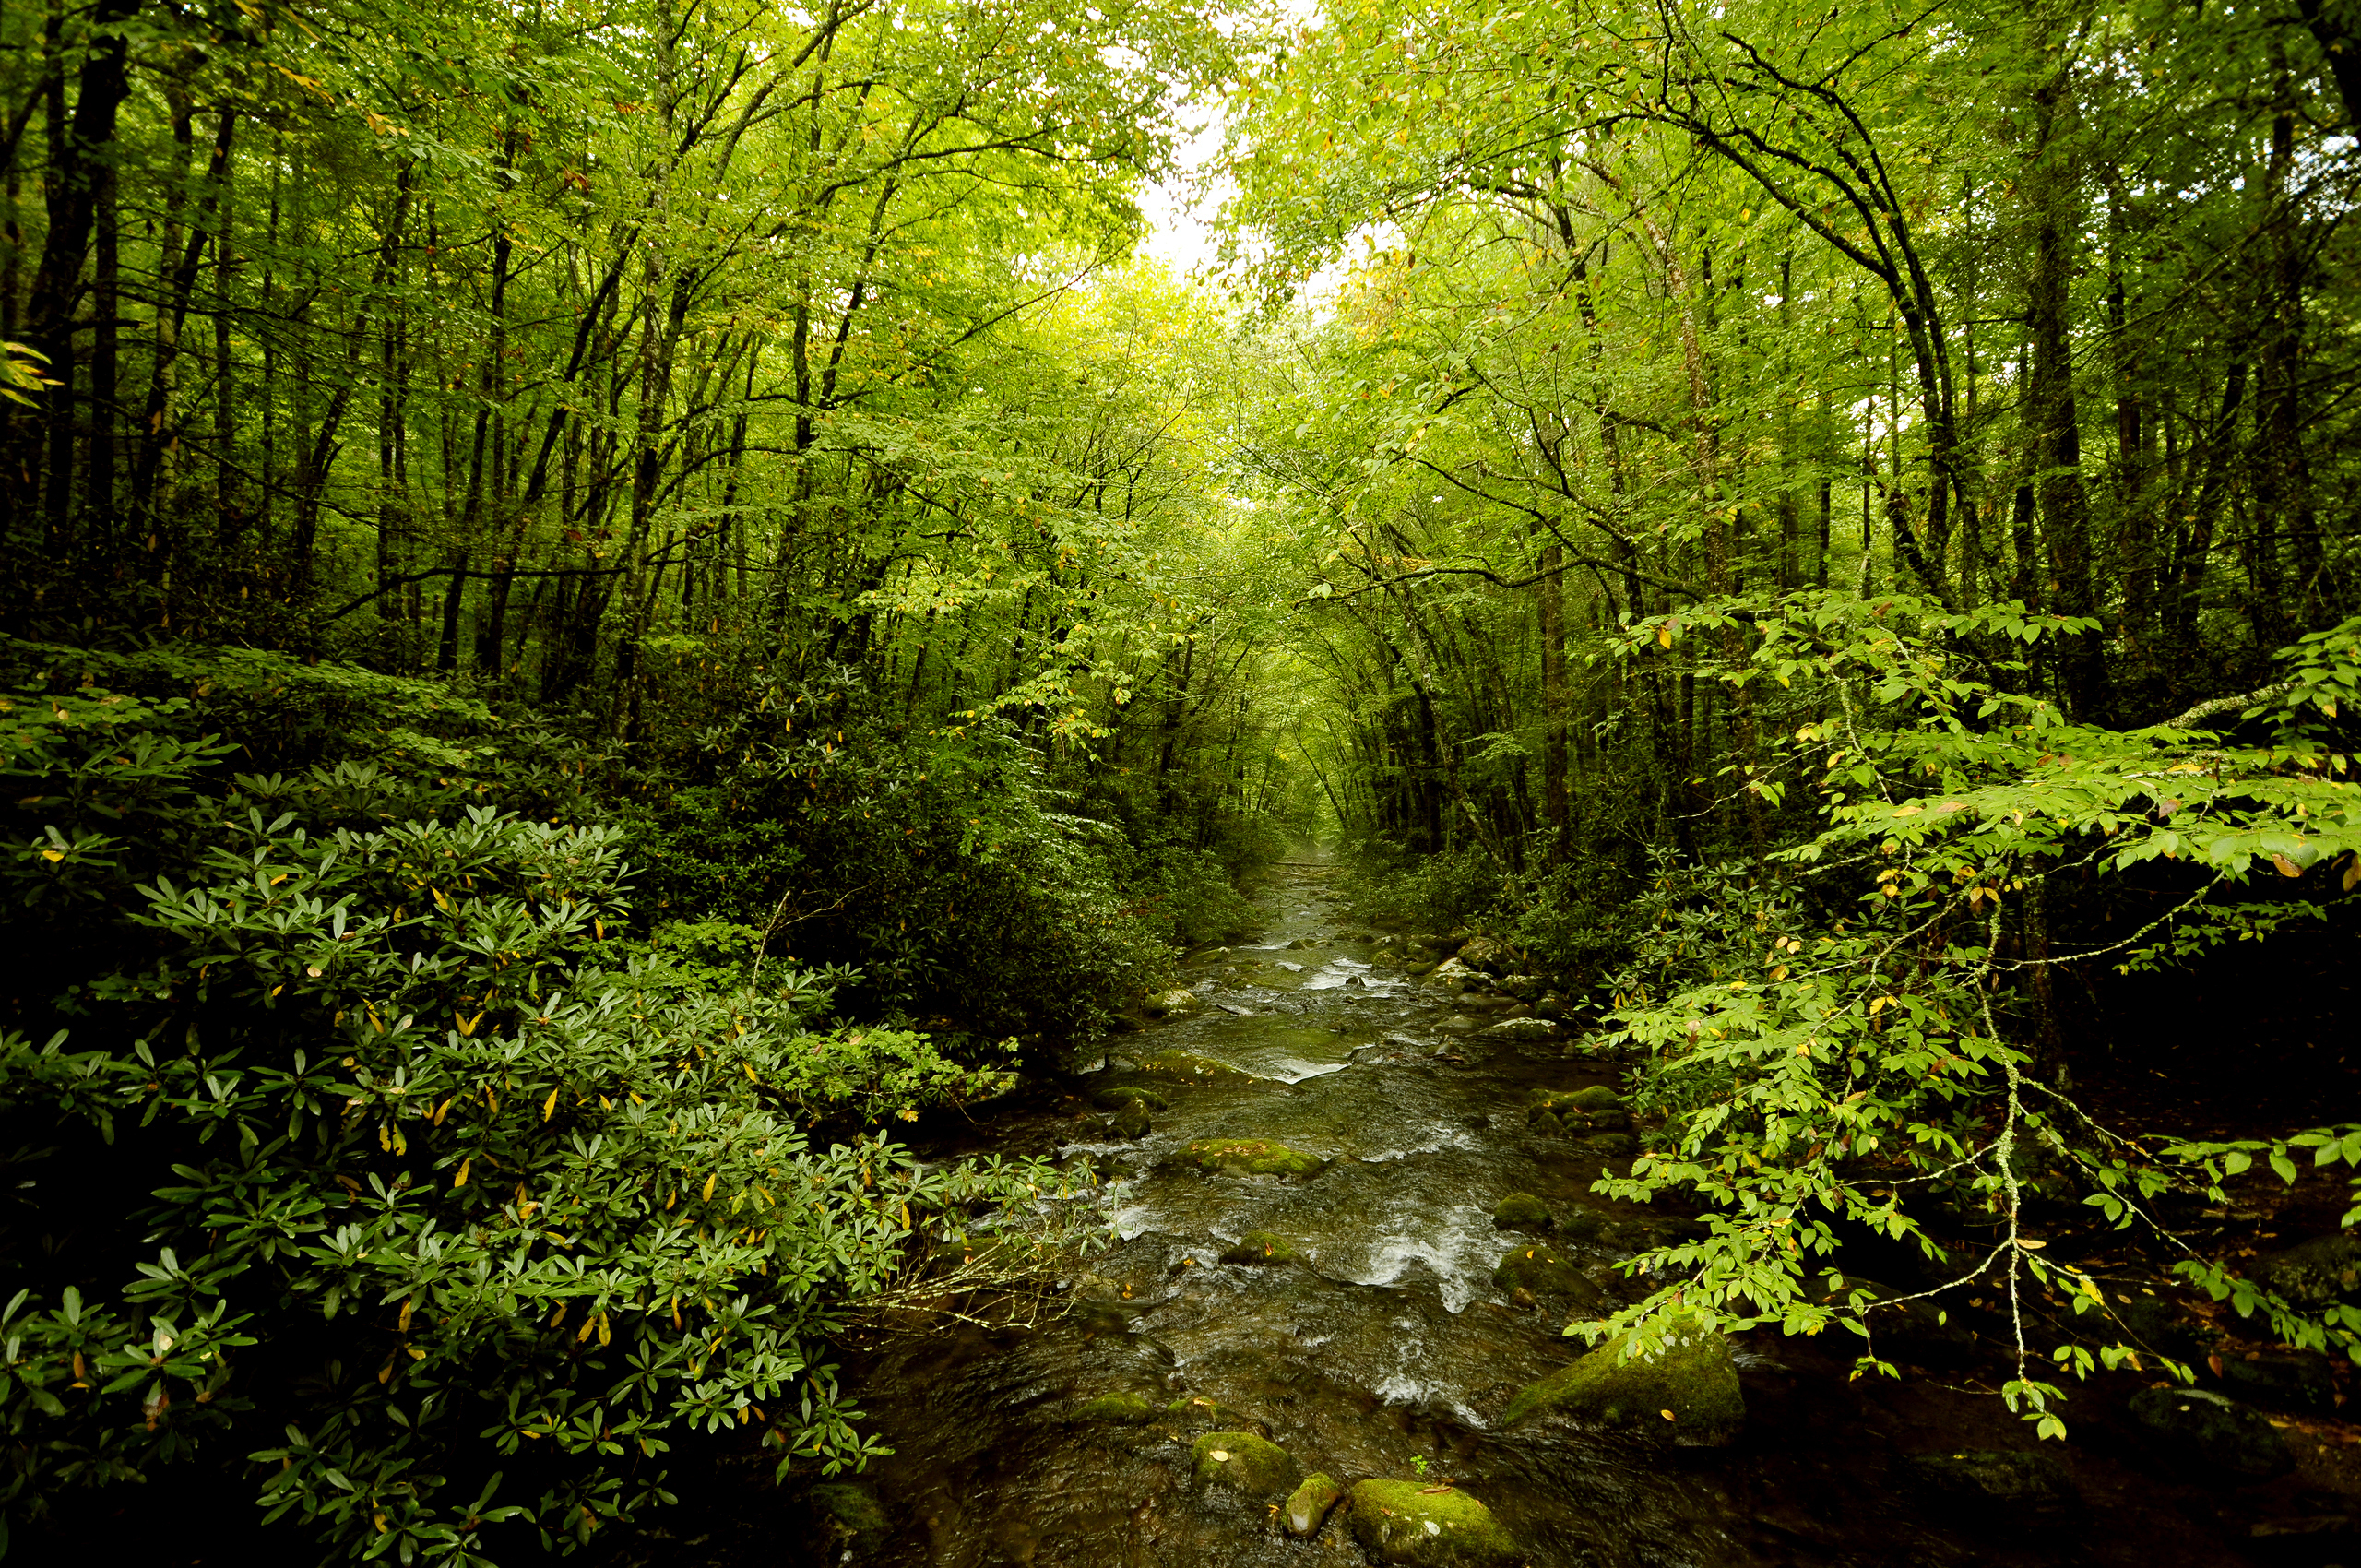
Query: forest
[[625, 624]]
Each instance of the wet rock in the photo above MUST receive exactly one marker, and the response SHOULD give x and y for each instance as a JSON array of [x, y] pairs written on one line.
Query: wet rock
[[1251, 1157], [1551, 1007], [2209, 1437], [1192, 1413], [1115, 1099], [1234, 1009], [1452, 975], [2299, 1382], [1307, 1507], [2318, 1273], [1524, 1028], [1187, 1067], [1103, 1317], [1612, 1146], [1164, 1002], [1304, 945], [1245, 1462], [1263, 1247], [1547, 1123], [1291, 969], [1487, 955], [1536, 1267], [1688, 1393], [1132, 1120], [1521, 1211], [1596, 1099], [1355, 982], [853, 1511], [1119, 1409], [1521, 1010], [1580, 1224], [1427, 1526], [2013, 1482]]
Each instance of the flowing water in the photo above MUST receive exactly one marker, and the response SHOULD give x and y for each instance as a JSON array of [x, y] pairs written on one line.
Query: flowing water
[[1390, 1353]]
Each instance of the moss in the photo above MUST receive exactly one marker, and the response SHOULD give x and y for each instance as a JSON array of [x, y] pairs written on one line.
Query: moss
[[1521, 1211], [1115, 1099], [1263, 1247], [1307, 1506], [1427, 1526], [1251, 1157], [1534, 1266], [1688, 1392], [1132, 1120], [1244, 1462], [1123, 1409], [1613, 1147], [1186, 1067]]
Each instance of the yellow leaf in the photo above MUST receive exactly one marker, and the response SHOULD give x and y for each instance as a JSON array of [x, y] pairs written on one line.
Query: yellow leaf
[[1664, 636], [708, 1185], [467, 1026], [549, 1106], [52, 854], [462, 1179], [401, 1324], [2286, 867]]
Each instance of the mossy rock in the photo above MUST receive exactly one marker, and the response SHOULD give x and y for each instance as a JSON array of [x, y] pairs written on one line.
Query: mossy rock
[[1193, 1413], [1536, 1267], [1688, 1393], [1579, 1224], [853, 1511], [1307, 1506], [2208, 1438], [1115, 1099], [1263, 1247], [1119, 1409], [1131, 1121], [1251, 1157], [1586, 1102], [1612, 1146], [1244, 1463], [1427, 1526], [1521, 1211], [1187, 1067], [2319, 1273]]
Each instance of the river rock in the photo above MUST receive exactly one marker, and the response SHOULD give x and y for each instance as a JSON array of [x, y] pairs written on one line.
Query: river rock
[[1251, 1157], [1187, 1067], [1452, 975], [1119, 1409], [1688, 1393], [1612, 1146], [1115, 1099], [2209, 1437], [2296, 1382], [1244, 1463], [1427, 1526], [1132, 1120], [2318, 1273], [1304, 945], [1521, 1211], [1525, 988], [1535, 1267], [1234, 1009], [1167, 1001], [1307, 1507], [1263, 1247], [1486, 954], [2012, 1481], [1524, 1028], [1291, 969]]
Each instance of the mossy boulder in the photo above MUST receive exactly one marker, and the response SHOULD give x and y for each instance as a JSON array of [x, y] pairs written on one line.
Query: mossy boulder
[[1119, 1409], [1487, 955], [1985, 1482], [1307, 1506], [1263, 1247], [1132, 1120], [1612, 1146], [1535, 1267], [1195, 1413], [1687, 1393], [1244, 1463], [2318, 1273], [853, 1511], [1251, 1157], [1115, 1099], [1429, 1526], [1187, 1067], [1521, 1211], [1163, 1003], [1589, 1100], [2209, 1438]]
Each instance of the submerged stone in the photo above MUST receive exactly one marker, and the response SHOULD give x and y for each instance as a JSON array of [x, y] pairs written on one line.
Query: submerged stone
[[1536, 1267], [1688, 1393], [1122, 1410], [853, 1511], [1263, 1247], [1427, 1526], [1307, 1507], [1189, 1067], [1244, 1462], [1521, 1211], [1251, 1157], [1193, 1413]]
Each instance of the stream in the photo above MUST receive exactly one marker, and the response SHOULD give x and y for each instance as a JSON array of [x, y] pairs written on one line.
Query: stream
[[1389, 1351]]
